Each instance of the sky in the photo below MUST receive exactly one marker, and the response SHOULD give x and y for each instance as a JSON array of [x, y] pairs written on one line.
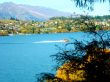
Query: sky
[[65, 5]]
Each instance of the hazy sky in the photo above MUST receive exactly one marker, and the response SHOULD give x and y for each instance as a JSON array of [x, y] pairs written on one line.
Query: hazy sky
[[63, 5]]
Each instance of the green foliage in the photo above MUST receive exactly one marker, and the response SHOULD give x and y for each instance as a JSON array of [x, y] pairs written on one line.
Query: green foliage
[[56, 25], [88, 3], [92, 57]]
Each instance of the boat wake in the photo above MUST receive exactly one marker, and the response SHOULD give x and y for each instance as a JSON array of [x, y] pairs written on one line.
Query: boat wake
[[48, 41], [51, 41]]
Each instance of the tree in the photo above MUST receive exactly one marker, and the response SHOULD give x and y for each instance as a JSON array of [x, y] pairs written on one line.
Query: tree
[[68, 26], [88, 3], [87, 61]]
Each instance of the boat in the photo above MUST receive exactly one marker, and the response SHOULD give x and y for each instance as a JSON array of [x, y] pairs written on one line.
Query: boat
[[51, 41], [65, 40]]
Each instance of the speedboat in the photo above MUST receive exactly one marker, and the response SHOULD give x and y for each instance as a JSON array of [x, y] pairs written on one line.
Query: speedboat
[[65, 40]]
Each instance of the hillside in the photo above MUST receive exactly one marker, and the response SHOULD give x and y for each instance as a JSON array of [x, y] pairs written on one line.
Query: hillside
[[26, 12], [54, 25]]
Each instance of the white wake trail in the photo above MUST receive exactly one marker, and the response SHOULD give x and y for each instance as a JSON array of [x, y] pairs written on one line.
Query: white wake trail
[[50, 41]]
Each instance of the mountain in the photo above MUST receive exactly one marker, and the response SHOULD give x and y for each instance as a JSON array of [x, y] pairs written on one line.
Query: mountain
[[26, 12]]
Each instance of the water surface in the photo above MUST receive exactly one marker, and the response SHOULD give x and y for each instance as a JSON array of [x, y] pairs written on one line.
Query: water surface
[[23, 56]]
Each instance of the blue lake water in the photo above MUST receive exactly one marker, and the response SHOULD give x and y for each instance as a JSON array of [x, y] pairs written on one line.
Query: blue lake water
[[23, 56]]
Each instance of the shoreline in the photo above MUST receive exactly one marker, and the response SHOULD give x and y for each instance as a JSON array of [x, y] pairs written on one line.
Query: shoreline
[[37, 33]]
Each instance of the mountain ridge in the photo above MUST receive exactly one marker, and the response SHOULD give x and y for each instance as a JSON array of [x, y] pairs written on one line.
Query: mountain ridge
[[28, 12]]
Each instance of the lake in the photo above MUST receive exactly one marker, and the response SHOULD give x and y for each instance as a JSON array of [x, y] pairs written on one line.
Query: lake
[[23, 56]]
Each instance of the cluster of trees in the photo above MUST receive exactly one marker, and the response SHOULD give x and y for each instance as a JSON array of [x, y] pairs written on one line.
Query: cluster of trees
[[86, 61], [54, 25]]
